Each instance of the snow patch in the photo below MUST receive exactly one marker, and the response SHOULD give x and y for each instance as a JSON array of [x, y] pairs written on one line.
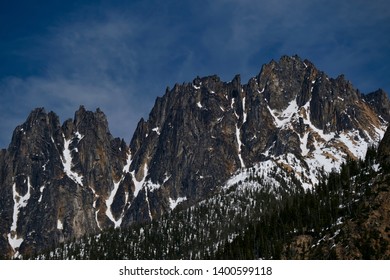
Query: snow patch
[[96, 219], [166, 178], [126, 168], [284, 118], [260, 170], [376, 167], [147, 202], [199, 105], [355, 144], [44, 166], [157, 130], [152, 186], [239, 146], [155, 186], [67, 163], [173, 203], [327, 151], [19, 202], [303, 144], [109, 202], [243, 110], [14, 241], [139, 184], [41, 189], [110, 199], [60, 226], [79, 136], [380, 132]]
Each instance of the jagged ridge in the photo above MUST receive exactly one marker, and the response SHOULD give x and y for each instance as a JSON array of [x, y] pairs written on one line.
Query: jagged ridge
[[200, 137]]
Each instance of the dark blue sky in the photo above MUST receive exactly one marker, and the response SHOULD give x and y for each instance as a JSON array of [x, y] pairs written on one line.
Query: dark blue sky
[[121, 55]]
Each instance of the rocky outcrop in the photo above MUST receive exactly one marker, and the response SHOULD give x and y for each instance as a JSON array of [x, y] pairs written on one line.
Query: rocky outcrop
[[55, 180], [384, 150], [379, 101], [199, 134]]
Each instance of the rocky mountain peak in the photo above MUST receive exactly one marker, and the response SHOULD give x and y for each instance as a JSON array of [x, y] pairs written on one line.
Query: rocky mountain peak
[[37, 122], [288, 79], [290, 122], [70, 169], [85, 118], [379, 100], [291, 108], [36, 114]]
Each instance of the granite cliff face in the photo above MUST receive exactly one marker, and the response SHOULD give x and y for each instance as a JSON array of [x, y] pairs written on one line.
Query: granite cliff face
[[56, 180], [201, 133], [59, 182]]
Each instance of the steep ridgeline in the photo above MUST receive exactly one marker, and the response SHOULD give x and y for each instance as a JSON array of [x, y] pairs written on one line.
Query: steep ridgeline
[[59, 182], [56, 181], [210, 133]]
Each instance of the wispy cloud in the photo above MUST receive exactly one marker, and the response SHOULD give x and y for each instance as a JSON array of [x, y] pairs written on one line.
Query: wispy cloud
[[91, 62], [339, 36], [119, 57]]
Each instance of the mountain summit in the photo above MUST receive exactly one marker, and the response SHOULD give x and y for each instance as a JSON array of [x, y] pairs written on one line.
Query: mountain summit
[[59, 182]]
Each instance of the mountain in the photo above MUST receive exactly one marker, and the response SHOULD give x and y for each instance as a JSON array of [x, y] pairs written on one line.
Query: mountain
[[342, 217], [290, 125], [56, 180]]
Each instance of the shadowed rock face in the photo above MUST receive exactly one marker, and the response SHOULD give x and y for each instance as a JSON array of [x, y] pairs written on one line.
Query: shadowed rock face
[[379, 101], [59, 182], [384, 149], [198, 134], [55, 179]]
